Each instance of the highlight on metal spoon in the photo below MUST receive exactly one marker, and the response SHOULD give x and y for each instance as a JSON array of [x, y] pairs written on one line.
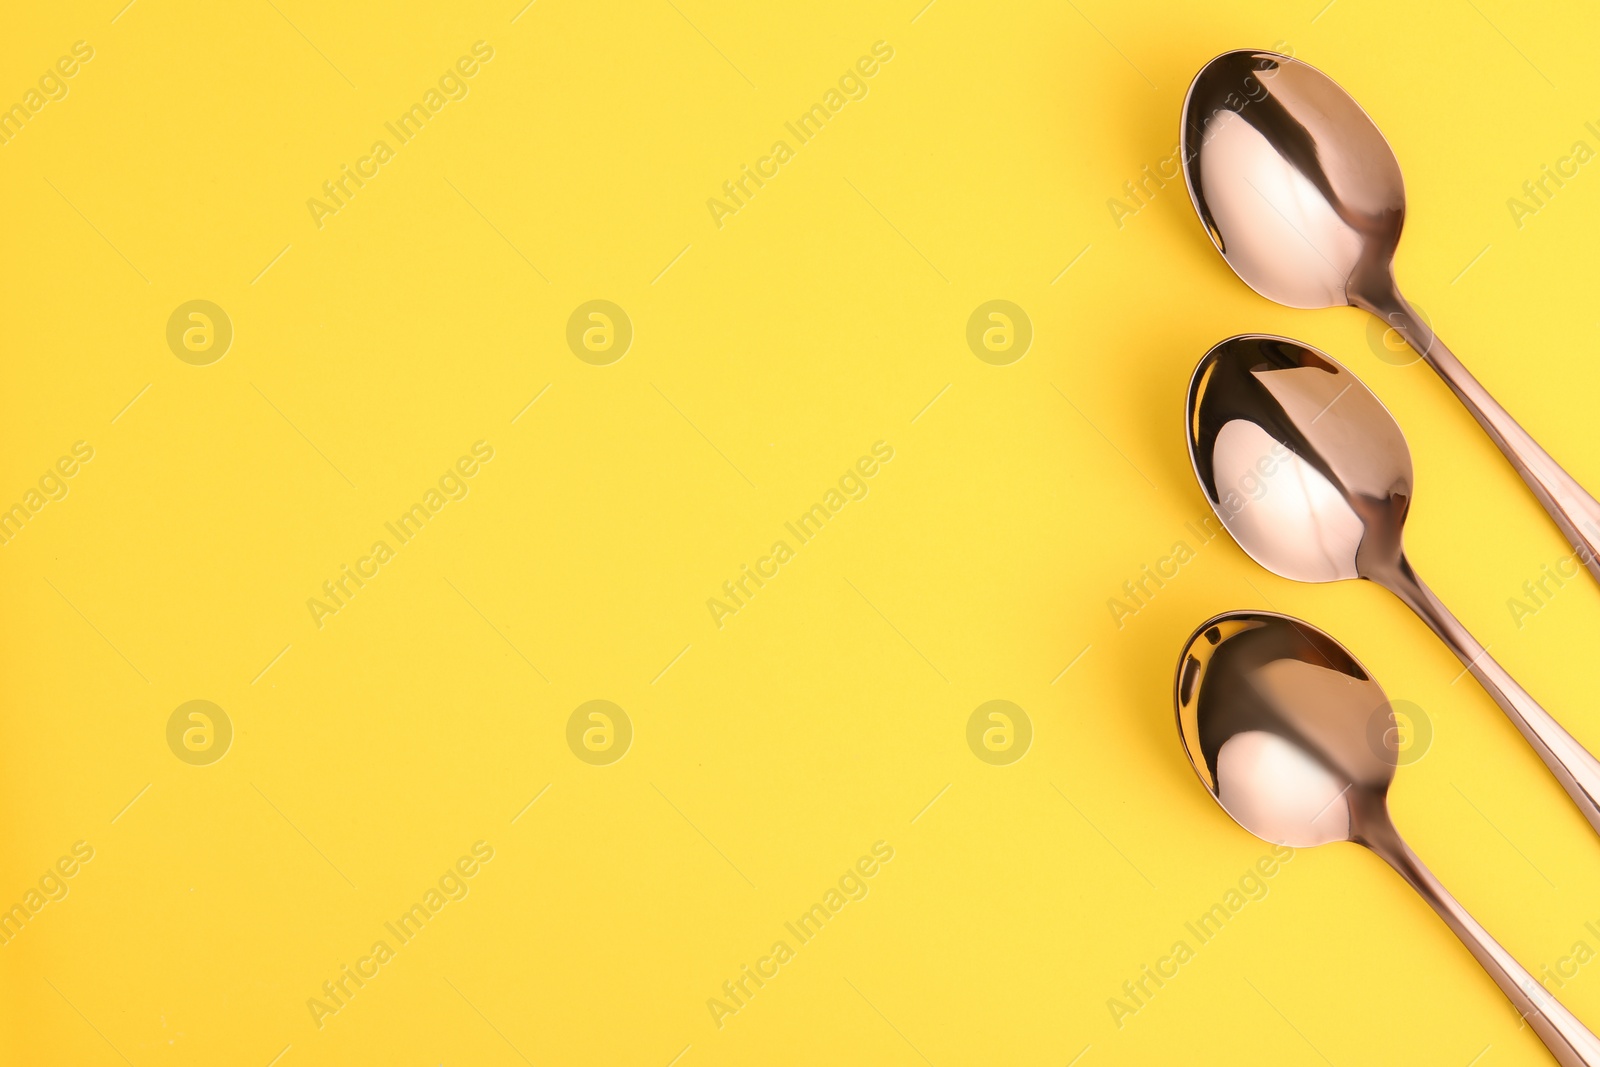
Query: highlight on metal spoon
[[1274, 716], [1311, 475], [1303, 197]]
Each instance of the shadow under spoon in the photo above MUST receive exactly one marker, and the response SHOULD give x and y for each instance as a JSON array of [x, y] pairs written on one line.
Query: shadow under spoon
[[1311, 475], [1274, 714], [1303, 197]]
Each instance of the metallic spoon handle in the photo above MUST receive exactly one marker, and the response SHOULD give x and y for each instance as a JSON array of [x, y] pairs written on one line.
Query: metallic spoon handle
[[1567, 1039], [1576, 770], [1569, 504]]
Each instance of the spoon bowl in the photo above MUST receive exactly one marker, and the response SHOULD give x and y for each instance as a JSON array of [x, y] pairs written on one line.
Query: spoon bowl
[[1294, 182], [1276, 718], [1304, 465]]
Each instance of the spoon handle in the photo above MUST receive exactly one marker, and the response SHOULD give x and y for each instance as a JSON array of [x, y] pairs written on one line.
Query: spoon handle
[[1568, 1040], [1569, 504], [1576, 770]]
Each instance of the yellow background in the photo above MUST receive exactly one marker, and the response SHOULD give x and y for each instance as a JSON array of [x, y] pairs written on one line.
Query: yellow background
[[768, 355]]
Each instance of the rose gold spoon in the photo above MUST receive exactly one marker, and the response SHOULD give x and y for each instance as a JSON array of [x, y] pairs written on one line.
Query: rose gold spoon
[[1274, 715]]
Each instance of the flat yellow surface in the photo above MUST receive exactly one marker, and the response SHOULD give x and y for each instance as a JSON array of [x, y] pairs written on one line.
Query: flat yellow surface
[[410, 740]]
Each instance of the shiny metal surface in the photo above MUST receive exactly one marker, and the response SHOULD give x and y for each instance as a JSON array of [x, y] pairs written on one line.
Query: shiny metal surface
[[1274, 715], [1303, 197], [1310, 474]]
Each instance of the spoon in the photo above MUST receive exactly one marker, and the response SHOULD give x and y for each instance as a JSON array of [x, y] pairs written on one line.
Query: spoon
[[1310, 474], [1303, 197], [1275, 716]]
